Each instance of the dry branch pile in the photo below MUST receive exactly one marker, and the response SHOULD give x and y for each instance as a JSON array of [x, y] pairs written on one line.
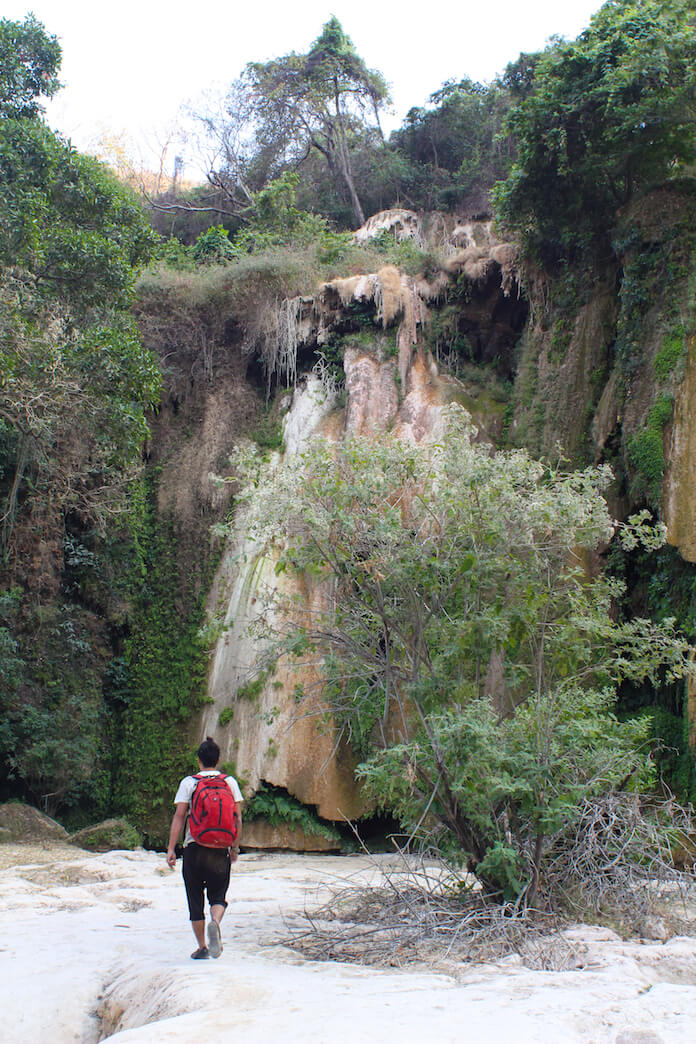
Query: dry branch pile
[[618, 868], [423, 912]]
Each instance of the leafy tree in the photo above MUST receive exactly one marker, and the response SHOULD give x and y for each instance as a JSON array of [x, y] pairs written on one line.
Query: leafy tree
[[75, 382], [468, 656], [29, 62], [66, 220], [457, 146], [272, 219], [76, 378], [321, 100], [600, 117]]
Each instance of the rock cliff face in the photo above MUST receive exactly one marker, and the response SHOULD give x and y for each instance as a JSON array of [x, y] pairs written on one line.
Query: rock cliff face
[[265, 739], [391, 383], [563, 372], [571, 386], [607, 373], [680, 477]]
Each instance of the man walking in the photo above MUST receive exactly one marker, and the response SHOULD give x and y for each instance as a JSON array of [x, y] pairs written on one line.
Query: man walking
[[206, 867]]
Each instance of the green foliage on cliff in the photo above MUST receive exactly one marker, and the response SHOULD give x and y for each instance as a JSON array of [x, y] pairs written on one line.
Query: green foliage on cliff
[[645, 452], [51, 703], [669, 355], [607, 115], [75, 383], [661, 585], [279, 808], [76, 379], [165, 662]]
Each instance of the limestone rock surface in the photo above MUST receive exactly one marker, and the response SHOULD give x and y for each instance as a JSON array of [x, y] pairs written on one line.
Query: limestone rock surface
[[680, 478], [392, 384], [262, 834]]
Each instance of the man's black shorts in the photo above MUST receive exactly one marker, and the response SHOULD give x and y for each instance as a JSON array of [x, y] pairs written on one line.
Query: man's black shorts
[[205, 869]]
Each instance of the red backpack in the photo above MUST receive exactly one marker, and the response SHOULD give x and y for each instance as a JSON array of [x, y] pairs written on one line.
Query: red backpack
[[212, 817]]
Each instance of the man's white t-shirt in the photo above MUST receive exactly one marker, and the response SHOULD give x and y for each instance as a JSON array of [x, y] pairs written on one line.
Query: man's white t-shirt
[[188, 785]]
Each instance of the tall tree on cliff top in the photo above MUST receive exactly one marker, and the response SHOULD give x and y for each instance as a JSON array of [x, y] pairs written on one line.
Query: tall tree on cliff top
[[606, 115], [321, 100]]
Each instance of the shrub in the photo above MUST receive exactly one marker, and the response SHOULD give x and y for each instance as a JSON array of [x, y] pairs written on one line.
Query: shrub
[[468, 658]]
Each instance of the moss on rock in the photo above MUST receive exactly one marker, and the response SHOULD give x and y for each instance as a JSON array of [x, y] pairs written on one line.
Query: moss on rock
[[106, 836]]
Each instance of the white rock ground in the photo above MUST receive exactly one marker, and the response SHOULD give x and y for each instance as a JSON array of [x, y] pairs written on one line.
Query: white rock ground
[[87, 934]]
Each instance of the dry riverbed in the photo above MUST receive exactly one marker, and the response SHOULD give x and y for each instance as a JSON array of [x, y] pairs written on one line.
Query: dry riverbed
[[98, 945]]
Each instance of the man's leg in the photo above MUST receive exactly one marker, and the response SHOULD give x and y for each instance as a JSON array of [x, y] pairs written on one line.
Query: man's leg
[[217, 913], [199, 932], [217, 883], [194, 880]]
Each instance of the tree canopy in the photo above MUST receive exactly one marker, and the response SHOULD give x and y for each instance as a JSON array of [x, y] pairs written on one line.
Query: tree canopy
[[468, 656], [456, 147], [321, 100], [604, 115], [75, 383], [29, 63]]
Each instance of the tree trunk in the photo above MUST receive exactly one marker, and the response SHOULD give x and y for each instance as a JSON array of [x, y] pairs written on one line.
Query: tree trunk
[[343, 156], [347, 175], [8, 517]]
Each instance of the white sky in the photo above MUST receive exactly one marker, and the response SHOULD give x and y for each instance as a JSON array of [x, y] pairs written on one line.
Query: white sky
[[129, 65]]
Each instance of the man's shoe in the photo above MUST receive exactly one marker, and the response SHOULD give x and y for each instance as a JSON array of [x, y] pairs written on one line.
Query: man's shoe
[[200, 954], [214, 939]]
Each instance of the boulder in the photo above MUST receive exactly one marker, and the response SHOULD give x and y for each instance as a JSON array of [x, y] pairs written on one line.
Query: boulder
[[106, 836], [259, 833], [20, 822]]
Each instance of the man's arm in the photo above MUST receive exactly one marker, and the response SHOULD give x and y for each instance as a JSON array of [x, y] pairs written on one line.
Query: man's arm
[[178, 820], [234, 851]]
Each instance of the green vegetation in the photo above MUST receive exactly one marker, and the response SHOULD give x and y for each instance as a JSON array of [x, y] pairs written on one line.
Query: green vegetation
[[268, 433], [646, 453], [279, 808], [252, 689], [403, 254], [76, 383], [661, 585], [51, 702], [103, 652], [163, 677], [314, 101], [479, 663], [602, 118], [456, 149], [669, 355], [212, 247], [560, 338], [29, 63], [107, 836]]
